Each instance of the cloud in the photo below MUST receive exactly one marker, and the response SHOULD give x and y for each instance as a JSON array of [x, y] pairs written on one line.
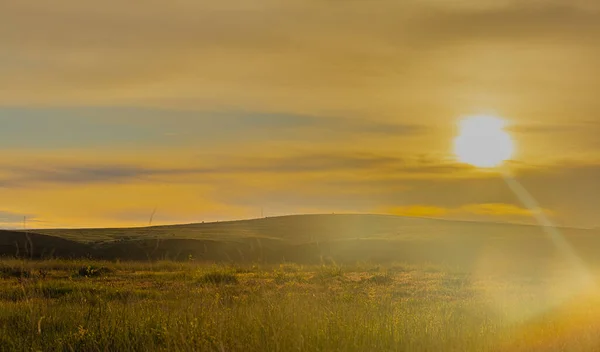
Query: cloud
[[55, 128], [83, 172], [366, 57], [7, 216], [419, 211], [546, 128], [493, 210], [519, 20], [568, 189], [500, 209], [334, 170], [235, 188], [11, 220]]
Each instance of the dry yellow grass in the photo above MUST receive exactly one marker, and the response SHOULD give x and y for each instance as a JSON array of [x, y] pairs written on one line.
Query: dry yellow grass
[[141, 306]]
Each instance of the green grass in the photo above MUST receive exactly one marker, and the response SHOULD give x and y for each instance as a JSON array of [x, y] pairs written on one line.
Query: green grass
[[141, 306]]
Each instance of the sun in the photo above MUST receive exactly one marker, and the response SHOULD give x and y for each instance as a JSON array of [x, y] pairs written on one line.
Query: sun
[[483, 142]]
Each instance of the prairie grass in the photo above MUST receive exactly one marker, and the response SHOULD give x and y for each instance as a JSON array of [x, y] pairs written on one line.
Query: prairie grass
[[165, 306]]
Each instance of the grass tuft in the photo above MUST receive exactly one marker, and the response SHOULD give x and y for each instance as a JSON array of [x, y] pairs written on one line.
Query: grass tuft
[[93, 271], [381, 279], [328, 272], [219, 278], [15, 272]]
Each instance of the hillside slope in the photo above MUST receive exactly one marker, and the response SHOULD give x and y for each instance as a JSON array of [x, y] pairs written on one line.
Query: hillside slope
[[314, 238]]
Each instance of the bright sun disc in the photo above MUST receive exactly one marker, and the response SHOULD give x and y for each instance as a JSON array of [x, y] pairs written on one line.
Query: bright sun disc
[[483, 142]]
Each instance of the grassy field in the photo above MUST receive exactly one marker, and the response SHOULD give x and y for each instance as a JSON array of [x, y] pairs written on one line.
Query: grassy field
[[462, 286], [79, 305]]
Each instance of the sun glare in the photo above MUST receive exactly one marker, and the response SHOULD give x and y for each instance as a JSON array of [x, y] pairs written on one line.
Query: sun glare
[[483, 142]]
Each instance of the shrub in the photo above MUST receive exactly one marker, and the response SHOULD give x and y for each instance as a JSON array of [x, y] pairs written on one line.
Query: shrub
[[8, 271], [93, 271], [328, 272], [219, 277], [281, 277], [380, 279]]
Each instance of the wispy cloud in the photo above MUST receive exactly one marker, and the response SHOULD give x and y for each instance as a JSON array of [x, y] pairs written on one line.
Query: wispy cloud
[[9, 219], [358, 183], [518, 20], [501, 211], [419, 211], [554, 129], [363, 166], [83, 172], [324, 56], [56, 128]]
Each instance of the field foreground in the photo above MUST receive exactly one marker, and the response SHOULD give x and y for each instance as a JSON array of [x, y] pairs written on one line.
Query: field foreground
[[61, 305]]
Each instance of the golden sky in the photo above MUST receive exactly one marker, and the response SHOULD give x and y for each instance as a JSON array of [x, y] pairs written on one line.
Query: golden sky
[[214, 110]]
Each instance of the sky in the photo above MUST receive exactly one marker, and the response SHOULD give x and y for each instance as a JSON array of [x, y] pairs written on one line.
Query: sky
[[220, 110]]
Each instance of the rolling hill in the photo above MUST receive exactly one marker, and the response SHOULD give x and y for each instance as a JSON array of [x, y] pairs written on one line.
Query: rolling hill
[[312, 239]]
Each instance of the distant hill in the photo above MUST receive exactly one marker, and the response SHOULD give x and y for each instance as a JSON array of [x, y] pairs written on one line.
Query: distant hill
[[311, 239]]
